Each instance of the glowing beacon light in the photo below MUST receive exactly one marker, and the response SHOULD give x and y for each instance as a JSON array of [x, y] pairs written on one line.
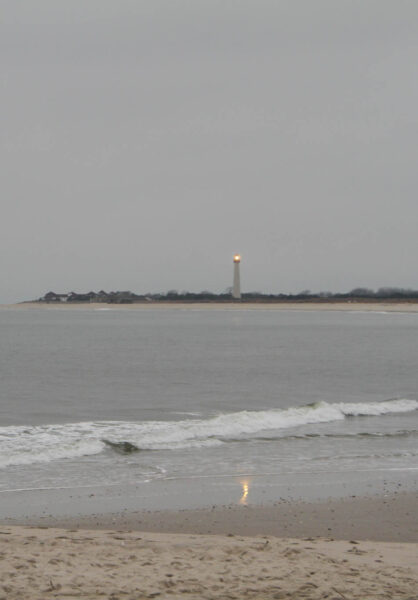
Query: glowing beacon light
[[236, 288]]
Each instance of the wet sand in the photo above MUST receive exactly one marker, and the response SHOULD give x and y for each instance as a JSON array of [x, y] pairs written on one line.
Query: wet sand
[[390, 518], [386, 518]]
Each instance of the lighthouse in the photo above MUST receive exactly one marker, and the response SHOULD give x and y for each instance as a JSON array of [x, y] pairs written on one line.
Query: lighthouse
[[236, 288]]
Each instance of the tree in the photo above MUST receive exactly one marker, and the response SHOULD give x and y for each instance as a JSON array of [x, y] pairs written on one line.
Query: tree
[[361, 292]]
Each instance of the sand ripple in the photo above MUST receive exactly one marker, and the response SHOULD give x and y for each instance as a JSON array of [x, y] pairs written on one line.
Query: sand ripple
[[42, 563]]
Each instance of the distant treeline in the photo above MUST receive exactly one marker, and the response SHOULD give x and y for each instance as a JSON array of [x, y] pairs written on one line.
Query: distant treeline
[[128, 297], [360, 293]]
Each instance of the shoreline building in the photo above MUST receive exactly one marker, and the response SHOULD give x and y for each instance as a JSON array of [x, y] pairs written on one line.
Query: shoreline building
[[236, 288]]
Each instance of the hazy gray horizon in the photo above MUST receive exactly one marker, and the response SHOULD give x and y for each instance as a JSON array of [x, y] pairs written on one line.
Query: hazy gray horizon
[[146, 142]]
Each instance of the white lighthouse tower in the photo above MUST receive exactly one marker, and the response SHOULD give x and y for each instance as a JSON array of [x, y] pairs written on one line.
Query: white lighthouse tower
[[236, 288]]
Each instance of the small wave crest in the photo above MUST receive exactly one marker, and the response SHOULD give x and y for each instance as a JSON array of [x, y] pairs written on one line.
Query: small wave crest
[[374, 409], [29, 445]]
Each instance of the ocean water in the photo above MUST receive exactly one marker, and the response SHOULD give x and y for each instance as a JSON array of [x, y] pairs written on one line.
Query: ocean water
[[130, 396]]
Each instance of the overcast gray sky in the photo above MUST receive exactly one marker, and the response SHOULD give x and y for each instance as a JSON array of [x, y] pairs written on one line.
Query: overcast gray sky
[[144, 142]]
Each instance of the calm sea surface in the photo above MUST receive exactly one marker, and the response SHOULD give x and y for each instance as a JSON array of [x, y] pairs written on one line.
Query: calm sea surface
[[99, 396]]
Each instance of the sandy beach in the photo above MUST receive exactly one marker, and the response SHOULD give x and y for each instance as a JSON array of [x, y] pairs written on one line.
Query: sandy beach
[[340, 549], [408, 307], [60, 563]]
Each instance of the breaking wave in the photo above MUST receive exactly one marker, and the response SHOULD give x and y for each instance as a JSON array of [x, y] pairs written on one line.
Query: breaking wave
[[45, 443]]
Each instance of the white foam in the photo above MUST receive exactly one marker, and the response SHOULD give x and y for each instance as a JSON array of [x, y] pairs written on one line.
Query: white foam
[[27, 445], [378, 408], [36, 445]]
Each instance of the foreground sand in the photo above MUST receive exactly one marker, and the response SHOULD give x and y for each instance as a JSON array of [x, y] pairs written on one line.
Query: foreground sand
[[39, 563]]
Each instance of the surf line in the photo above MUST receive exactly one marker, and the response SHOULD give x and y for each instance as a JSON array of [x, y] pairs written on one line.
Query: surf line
[[188, 477], [73, 487]]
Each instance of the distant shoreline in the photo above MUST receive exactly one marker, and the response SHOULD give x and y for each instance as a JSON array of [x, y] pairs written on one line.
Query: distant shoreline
[[347, 306]]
